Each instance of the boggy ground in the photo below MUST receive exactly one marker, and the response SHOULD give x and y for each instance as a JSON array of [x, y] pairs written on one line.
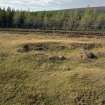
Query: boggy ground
[[42, 69]]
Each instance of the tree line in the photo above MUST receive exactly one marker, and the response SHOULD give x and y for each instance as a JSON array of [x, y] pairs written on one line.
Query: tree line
[[86, 19]]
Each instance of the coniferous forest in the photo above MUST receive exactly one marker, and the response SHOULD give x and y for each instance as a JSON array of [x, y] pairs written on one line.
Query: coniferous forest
[[74, 19]]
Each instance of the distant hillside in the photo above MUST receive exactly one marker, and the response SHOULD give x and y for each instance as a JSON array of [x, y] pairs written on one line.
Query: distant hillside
[[99, 9]]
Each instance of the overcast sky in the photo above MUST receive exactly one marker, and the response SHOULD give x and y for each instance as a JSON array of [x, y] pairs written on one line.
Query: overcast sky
[[36, 5]]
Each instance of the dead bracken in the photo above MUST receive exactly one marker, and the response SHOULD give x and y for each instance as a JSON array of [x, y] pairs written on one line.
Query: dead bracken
[[45, 46], [55, 58], [40, 47], [85, 54]]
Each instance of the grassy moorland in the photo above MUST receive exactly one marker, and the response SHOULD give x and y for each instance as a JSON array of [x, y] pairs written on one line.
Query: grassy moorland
[[42, 69]]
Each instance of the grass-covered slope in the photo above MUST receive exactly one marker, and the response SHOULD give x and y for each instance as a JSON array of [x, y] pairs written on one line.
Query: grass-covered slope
[[50, 70]]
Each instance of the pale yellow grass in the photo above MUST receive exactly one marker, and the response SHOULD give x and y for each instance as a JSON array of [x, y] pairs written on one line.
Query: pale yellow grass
[[31, 79], [14, 39]]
